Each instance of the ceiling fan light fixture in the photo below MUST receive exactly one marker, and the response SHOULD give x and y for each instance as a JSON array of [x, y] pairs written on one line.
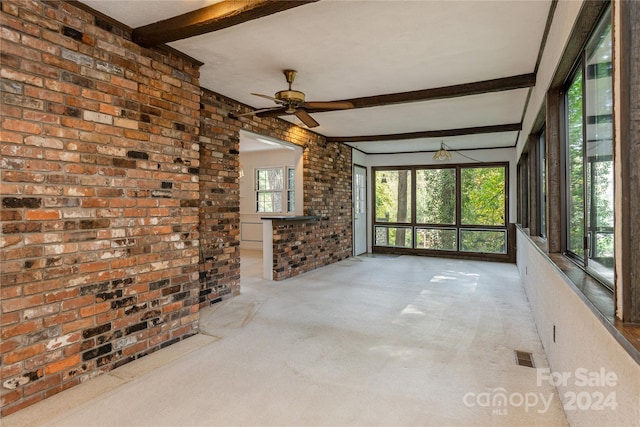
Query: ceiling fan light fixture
[[442, 154]]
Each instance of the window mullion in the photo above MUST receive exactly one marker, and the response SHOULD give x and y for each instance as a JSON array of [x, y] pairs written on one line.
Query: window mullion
[[585, 182]]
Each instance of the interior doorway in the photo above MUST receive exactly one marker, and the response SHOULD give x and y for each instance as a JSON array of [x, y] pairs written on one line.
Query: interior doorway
[[270, 184], [359, 210]]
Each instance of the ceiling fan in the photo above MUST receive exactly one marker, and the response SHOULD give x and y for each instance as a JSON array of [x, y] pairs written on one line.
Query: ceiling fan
[[292, 102]]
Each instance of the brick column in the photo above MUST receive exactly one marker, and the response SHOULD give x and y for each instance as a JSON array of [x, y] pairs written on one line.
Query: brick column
[[99, 184]]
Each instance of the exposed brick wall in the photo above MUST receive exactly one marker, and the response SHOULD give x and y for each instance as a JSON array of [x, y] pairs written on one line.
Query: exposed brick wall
[[297, 248], [120, 198], [100, 196], [327, 193], [219, 203]]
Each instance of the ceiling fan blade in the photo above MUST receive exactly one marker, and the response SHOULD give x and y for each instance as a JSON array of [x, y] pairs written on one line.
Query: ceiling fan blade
[[331, 105], [273, 112], [268, 97], [251, 113], [306, 119]]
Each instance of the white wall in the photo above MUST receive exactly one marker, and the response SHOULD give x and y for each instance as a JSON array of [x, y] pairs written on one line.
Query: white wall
[[250, 222], [582, 342]]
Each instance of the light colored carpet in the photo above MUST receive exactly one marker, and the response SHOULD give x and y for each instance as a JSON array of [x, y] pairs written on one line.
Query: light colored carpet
[[405, 341]]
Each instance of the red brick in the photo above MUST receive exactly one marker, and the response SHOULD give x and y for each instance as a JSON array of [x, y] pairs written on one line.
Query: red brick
[[18, 76], [43, 94], [22, 176], [27, 401], [61, 295], [72, 122], [11, 137], [35, 215], [8, 398], [77, 325], [77, 302], [22, 126], [61, 132], [66, 317], [41, 384], [6, 291], [6, 346], [60, 63], [22, 353], [9, 318], [63, 364], [21, 303], [40, 69], [62, 87], [41, 360], [38, 116]]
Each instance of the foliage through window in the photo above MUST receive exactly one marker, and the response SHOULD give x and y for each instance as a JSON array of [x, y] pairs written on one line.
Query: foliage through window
[[483, 196], [589, 149], [452, 208]]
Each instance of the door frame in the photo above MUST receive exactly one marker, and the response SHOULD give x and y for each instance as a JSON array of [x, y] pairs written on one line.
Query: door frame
[[364, 215]]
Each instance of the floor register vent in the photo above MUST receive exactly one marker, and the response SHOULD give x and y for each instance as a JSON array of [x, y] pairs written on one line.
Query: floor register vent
[[524, 358]]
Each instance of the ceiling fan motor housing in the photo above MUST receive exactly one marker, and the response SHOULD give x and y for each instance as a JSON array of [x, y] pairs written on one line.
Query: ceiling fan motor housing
[[292, 98]]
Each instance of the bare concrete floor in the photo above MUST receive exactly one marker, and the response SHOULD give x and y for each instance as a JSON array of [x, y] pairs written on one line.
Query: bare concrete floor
[[373, 340]]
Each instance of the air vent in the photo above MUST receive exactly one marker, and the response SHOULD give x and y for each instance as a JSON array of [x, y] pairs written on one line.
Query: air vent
[[524, 358]]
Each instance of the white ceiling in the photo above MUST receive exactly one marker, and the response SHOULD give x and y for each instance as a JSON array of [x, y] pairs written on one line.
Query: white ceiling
[[349, 49]]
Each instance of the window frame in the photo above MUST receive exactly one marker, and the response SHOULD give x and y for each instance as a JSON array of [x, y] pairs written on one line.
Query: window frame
[[542, 182], [460, 228], [287, 194], [581, 66]]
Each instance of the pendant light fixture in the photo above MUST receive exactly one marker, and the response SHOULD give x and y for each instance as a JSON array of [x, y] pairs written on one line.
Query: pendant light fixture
[[442, 153]]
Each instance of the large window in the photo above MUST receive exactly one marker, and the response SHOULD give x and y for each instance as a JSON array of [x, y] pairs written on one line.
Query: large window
[[542, 184], [452, 208], [272, 189], [393, 205], [483, 204], [523, 189], [589, 154]]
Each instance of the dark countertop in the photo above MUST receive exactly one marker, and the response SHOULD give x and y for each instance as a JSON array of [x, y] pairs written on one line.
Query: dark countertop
[[292, 218]]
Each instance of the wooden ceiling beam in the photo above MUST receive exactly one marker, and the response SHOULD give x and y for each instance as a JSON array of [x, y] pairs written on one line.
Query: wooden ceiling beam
[[513, 127], [208, 19], [466, 89]]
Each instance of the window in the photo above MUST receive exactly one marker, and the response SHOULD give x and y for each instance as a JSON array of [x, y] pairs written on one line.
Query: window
[[542, 195], [271, 189], [453, 208], [393, 205], [291, 186], [483, 196], [523, 189], [436, 196], [483, 203], [589, 156]]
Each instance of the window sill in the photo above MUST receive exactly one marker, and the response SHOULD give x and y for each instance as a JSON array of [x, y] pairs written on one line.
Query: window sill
[[595, 295]]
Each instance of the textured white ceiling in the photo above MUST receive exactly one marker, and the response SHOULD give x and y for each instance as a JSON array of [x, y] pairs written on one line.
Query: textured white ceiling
[[348, 49], [136, 13]]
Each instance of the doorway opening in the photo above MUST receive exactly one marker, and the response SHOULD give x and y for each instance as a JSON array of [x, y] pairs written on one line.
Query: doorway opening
[[270, 182]]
